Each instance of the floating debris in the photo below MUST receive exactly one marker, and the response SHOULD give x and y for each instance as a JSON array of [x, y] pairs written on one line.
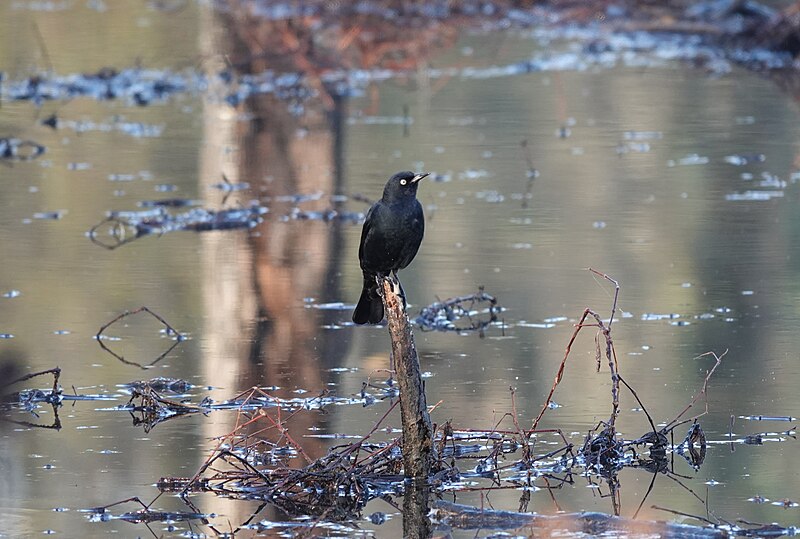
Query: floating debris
[[635, 147], [125, 227], [490, 196], [473, 174], [79, 166], [227, 187], [139, 86], [116, 124], [161, 384], [465, 121], [334, 306], [144, 515], [30, 399], [50, 215], [169, 203], [642, 135], [604, 49], [768, 417], [380, 120], [139, 129], [690, 160], [444, 315], [122, 177], [149, 408], [744, 159], [325, 215], [754, 196], [653, 316], [771, 180], [14, 149]]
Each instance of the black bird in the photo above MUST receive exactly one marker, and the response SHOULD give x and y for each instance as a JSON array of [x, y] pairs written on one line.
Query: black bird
[[390, 239]]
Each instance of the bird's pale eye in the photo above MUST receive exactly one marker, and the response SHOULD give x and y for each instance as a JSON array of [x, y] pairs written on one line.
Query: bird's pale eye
[[403, 182]]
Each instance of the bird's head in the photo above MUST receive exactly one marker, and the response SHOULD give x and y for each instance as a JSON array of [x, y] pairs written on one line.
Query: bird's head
[[403, 184]]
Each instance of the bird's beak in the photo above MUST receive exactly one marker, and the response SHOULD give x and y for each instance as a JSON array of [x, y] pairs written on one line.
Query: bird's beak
[[418, 177]]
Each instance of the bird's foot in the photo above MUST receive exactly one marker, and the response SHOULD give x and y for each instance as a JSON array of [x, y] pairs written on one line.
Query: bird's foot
[[397, 287]]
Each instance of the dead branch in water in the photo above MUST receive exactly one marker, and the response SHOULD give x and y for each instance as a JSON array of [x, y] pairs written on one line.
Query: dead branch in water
[[611, 355], [29, 399], [702, 393], [417, 429], [55, 371], [443, 315], [168, 329], [254, 460]]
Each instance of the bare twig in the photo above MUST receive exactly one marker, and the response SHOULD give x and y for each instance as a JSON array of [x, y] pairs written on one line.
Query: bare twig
[[169, 330], [702, 393]]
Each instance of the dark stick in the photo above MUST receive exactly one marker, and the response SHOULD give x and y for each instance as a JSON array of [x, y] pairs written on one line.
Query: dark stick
[[649, 490], [169, 328], [730, 432], [611, 353], [560, 372], [703, 391], [136, 311], [681, 513], [55, 371]]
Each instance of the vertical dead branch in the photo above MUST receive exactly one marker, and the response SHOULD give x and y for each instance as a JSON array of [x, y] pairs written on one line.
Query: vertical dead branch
[[417, 429], [702, 393], [416, 506], [611, 354]]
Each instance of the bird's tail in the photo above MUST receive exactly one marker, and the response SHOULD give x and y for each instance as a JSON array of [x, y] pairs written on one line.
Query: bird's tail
[[370, 305]]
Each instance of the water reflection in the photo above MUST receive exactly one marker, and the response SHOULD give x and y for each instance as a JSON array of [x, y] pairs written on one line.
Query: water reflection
[[252, 286]]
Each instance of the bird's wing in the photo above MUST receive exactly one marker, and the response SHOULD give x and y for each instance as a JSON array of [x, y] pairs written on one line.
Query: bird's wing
[[366, 230], [412, 245]]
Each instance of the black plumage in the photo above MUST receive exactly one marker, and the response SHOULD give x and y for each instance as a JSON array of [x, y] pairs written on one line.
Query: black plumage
[[390, 239]]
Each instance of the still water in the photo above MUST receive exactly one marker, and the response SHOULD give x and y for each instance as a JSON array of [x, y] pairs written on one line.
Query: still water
[[679, 184]]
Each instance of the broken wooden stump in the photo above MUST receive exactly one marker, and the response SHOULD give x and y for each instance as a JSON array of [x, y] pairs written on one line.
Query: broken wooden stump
[[417, 429]]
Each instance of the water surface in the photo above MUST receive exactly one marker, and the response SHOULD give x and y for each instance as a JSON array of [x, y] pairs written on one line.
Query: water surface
[[639, 176]]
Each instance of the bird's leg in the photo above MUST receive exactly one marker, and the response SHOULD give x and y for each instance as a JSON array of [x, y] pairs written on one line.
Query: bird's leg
[[379, 283], [398, 287]]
